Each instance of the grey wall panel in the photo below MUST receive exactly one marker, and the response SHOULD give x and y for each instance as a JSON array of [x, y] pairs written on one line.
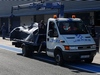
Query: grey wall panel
[[70, 6], [76, 6], [5, 7]]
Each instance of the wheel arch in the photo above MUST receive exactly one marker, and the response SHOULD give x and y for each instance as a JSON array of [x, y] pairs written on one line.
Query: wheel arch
[[57, 49]]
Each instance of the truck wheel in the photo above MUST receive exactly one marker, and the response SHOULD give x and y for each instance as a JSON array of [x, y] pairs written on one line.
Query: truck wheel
[[59, 58], [88, 60], [26, 51]]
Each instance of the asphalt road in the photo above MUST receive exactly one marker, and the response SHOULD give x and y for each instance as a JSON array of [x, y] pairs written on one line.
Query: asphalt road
[[13, 64]]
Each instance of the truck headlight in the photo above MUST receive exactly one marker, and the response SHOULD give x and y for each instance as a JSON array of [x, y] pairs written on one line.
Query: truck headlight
[[93, 46]]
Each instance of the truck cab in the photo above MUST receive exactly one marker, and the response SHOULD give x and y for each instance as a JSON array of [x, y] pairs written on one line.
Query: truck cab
[[69, 39]]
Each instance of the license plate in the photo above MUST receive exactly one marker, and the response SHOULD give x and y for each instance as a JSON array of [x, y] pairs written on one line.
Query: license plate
[[85, 56]]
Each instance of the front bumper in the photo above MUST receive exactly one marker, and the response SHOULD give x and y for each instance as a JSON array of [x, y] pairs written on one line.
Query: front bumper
[[79, 55]]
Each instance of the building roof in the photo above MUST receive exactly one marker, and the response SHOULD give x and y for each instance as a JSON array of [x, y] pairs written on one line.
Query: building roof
[[70, 6], [5, 7]]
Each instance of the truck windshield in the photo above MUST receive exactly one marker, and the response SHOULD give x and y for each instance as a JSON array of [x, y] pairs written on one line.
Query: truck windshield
[[72, 27]]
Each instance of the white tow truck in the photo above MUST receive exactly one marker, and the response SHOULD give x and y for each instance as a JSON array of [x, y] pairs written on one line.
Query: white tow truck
[[65, 39]]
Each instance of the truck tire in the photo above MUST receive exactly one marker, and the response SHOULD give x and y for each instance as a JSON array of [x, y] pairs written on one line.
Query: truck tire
[[59, 58], [26, 51]]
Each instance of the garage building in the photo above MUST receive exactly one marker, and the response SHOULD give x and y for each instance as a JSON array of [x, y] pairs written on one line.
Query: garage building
[[87, 10]]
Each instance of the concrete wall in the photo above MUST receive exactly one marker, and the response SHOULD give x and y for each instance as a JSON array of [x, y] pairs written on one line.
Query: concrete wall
[[70, 6], [5, 7], [47, 16], [39, 18], [27, 20]]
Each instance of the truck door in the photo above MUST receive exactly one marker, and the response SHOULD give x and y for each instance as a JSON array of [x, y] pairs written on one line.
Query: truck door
[[52, 37]]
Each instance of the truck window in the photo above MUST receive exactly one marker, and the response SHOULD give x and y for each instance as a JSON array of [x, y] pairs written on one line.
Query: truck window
[[72, 27], [52, 30]]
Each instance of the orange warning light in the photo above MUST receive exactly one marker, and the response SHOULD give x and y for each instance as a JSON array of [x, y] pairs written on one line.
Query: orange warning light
[[73, 16], [55, 16]]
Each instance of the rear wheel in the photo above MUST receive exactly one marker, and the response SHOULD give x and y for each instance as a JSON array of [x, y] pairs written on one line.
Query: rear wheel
[[59, 58], [26, 51]]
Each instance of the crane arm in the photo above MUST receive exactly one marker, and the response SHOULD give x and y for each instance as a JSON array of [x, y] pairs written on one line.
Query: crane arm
[[39, 5]]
